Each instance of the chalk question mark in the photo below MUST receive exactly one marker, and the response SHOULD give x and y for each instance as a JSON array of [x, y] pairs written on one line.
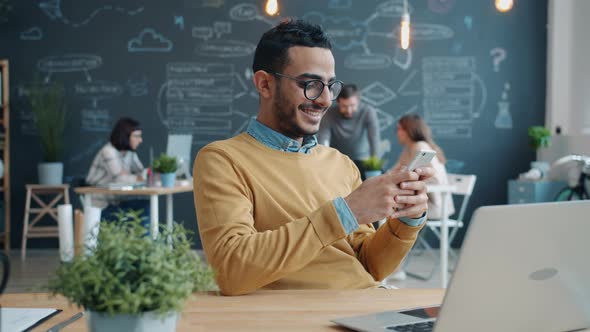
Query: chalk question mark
[[498, 55]]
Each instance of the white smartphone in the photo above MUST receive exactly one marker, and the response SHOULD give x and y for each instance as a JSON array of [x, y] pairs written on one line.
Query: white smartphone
[[422, 158]]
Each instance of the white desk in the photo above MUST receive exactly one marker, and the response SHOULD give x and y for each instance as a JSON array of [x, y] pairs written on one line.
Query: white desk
[[446, 191], [152, 192]]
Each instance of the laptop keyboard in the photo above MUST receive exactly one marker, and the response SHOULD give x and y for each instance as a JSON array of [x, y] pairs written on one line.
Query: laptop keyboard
[[416, 327]]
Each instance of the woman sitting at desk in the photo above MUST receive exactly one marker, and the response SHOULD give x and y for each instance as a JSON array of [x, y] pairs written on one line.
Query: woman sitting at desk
[[414, 134], [117, 163]]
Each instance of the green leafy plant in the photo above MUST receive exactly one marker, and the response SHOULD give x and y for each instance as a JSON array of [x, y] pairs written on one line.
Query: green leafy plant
[[128, 272], [539, 137], [49, 110], [374, 163], [165, 164]]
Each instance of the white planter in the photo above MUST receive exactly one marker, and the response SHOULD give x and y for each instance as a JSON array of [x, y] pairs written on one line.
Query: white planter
[[370, 174], [50, 173], [146, 322]]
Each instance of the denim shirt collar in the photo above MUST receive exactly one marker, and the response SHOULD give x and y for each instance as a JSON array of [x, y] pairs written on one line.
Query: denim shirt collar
[[278, 141]]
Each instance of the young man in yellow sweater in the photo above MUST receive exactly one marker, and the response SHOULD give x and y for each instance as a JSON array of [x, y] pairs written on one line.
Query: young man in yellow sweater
[[278, 211]]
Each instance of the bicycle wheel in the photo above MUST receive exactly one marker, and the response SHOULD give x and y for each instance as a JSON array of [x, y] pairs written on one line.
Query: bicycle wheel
[[568, 194]]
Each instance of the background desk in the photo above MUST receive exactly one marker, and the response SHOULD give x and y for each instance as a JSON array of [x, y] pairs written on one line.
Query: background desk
[[303, 310], [152, 192]]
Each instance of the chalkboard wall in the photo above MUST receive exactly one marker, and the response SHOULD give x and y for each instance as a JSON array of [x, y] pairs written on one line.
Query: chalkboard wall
[[184, 66]]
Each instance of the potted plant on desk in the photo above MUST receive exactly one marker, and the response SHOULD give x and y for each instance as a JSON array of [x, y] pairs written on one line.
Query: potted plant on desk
[[166, 166], [373, 166], [48, 107], [539, 137], [129, 282]]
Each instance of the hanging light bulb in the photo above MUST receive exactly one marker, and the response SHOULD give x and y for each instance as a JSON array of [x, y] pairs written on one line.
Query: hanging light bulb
[[405, 28], [504, 5], [272, 7]]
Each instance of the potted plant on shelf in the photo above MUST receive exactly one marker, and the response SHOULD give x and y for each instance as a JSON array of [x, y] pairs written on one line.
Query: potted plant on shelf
[[373, 166], [49, 110], [131, 282], [166, 166], [539, 137]]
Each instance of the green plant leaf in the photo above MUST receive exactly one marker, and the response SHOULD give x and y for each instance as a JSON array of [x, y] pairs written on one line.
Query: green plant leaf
[[165, 164], [128, 272], [373, 163]]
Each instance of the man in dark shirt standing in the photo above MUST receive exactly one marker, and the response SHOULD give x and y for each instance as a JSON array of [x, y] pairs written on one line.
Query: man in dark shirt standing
[[351, 127]]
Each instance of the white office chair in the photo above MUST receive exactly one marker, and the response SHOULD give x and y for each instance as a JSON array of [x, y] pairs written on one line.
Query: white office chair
[[464, 185]]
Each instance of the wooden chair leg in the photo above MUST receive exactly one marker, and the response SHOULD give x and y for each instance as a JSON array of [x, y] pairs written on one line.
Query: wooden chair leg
[[23, 250], [78, 232]]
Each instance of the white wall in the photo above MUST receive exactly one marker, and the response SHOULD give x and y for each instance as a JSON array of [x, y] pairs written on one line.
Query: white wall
[[568, 78], [568, 67]]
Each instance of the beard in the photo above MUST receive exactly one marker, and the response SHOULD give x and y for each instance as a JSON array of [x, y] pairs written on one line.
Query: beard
[[288, 119]]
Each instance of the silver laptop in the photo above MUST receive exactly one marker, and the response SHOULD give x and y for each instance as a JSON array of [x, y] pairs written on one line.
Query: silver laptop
[[522, 268]]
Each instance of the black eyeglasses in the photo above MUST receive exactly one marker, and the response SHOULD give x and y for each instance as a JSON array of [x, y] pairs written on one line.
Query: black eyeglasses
[[312, 89]]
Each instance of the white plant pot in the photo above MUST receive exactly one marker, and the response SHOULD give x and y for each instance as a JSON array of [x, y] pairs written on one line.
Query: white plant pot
[[50, 173], [146, 322], [370, 174]]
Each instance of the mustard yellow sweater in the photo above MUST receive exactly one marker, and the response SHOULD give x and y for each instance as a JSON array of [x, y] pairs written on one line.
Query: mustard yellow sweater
[[267, 220]]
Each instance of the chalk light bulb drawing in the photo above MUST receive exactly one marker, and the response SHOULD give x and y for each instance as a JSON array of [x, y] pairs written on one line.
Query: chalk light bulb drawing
[[272, 7], [405, 31], [504, 5]]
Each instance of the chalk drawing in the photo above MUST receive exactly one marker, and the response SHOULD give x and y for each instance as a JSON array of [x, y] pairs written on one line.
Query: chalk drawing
[[385, 120], [498, 55], [249, 12], [468, 21], [449, 91], [393, 8], [377, 94], [34, 33], [52, 9], [406, 88], [179, 21], [202, 32], [197, 99], [346, 32], [69, 63], [204, 3], [372, 61], [441, 6], [96, 120], [504, 118], [402, 58], [225, 48], [427, 31], [149, 41], [138, 87], [340, 4], [87, 153]]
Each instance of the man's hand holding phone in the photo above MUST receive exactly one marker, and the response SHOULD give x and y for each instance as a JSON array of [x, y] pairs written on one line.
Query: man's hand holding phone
[[383, 196]]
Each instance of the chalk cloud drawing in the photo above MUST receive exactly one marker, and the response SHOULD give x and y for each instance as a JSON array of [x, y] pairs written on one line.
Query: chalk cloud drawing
[[149, 41], [449, 93], [34, 33], [53, 10], [69, 63]]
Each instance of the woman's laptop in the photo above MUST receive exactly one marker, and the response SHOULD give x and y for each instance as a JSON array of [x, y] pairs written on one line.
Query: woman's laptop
[[522, 268]]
